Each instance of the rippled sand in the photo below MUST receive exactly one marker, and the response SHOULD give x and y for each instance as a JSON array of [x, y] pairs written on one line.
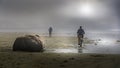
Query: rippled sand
[[57, 60]]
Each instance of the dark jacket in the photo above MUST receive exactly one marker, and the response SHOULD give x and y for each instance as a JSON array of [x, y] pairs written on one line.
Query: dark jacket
[[80, 32], [50, 29]]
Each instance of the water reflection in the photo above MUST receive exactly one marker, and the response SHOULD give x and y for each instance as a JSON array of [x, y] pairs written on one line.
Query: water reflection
[[80, 50], [89, 48], [71, 50], [65, 50]]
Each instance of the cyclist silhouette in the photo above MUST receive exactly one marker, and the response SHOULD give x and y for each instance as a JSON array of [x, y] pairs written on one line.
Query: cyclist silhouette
[[80, 35]]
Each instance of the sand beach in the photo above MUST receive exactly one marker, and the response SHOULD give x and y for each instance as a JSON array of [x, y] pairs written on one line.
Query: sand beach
[[67, 58]]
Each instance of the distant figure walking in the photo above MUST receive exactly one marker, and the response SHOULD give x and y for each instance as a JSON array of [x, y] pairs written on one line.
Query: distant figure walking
[[50, 31], [80, 35]]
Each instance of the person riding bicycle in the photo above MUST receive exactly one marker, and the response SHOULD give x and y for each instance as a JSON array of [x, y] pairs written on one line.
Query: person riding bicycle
[[80, 35]]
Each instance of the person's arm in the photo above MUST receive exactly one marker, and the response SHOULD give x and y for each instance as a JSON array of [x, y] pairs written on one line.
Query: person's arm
[[83, 31], [51, 29], [77, 31]]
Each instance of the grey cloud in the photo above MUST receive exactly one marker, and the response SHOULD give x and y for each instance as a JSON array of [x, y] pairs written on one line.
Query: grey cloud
[[40, 14]]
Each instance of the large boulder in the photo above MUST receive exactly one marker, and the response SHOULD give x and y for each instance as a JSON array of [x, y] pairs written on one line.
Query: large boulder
[[28, 43]]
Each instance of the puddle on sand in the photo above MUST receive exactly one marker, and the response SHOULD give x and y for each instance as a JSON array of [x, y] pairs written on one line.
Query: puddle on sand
[[102, 49], [62, 51]]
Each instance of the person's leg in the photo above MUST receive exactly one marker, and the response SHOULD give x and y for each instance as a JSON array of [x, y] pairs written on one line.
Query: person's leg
[[81, 40], [78, 40], [49, 34]]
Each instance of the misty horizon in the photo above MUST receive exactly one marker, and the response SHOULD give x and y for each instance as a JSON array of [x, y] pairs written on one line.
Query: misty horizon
[[65, 16]]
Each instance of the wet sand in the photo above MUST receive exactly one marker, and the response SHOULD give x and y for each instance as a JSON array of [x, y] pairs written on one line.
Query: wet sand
[[66, 58], [58, 60]]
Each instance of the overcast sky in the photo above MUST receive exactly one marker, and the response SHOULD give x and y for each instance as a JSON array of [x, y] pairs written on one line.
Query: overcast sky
[[63, 15]]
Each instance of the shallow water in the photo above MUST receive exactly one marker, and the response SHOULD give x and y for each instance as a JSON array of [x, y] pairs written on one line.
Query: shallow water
[[89, 48]]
